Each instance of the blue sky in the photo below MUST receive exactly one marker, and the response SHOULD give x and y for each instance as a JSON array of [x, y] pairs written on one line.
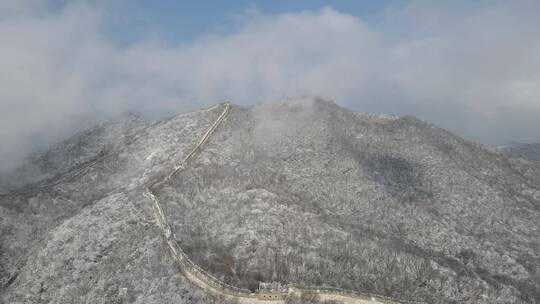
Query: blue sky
[[184, 21], [472, 67]]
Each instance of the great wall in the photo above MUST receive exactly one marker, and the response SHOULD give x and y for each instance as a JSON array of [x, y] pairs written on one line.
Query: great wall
[[218, 288]]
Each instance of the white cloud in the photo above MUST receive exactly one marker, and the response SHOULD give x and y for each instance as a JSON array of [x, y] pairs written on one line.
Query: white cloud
[[462, 69]]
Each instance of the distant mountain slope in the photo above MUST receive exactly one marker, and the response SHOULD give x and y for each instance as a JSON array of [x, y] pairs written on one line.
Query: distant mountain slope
[[79, 150], [299, 191], [518, 150], [525, 157]]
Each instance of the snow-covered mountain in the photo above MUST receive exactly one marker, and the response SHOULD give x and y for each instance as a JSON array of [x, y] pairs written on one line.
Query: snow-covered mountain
[[300, 191]]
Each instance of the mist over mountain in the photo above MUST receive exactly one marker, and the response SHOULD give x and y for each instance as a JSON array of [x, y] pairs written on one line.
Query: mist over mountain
[[67, 64], [299, 191]]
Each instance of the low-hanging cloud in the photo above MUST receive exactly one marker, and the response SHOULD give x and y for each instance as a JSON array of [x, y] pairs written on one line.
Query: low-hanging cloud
[[475, 71]]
